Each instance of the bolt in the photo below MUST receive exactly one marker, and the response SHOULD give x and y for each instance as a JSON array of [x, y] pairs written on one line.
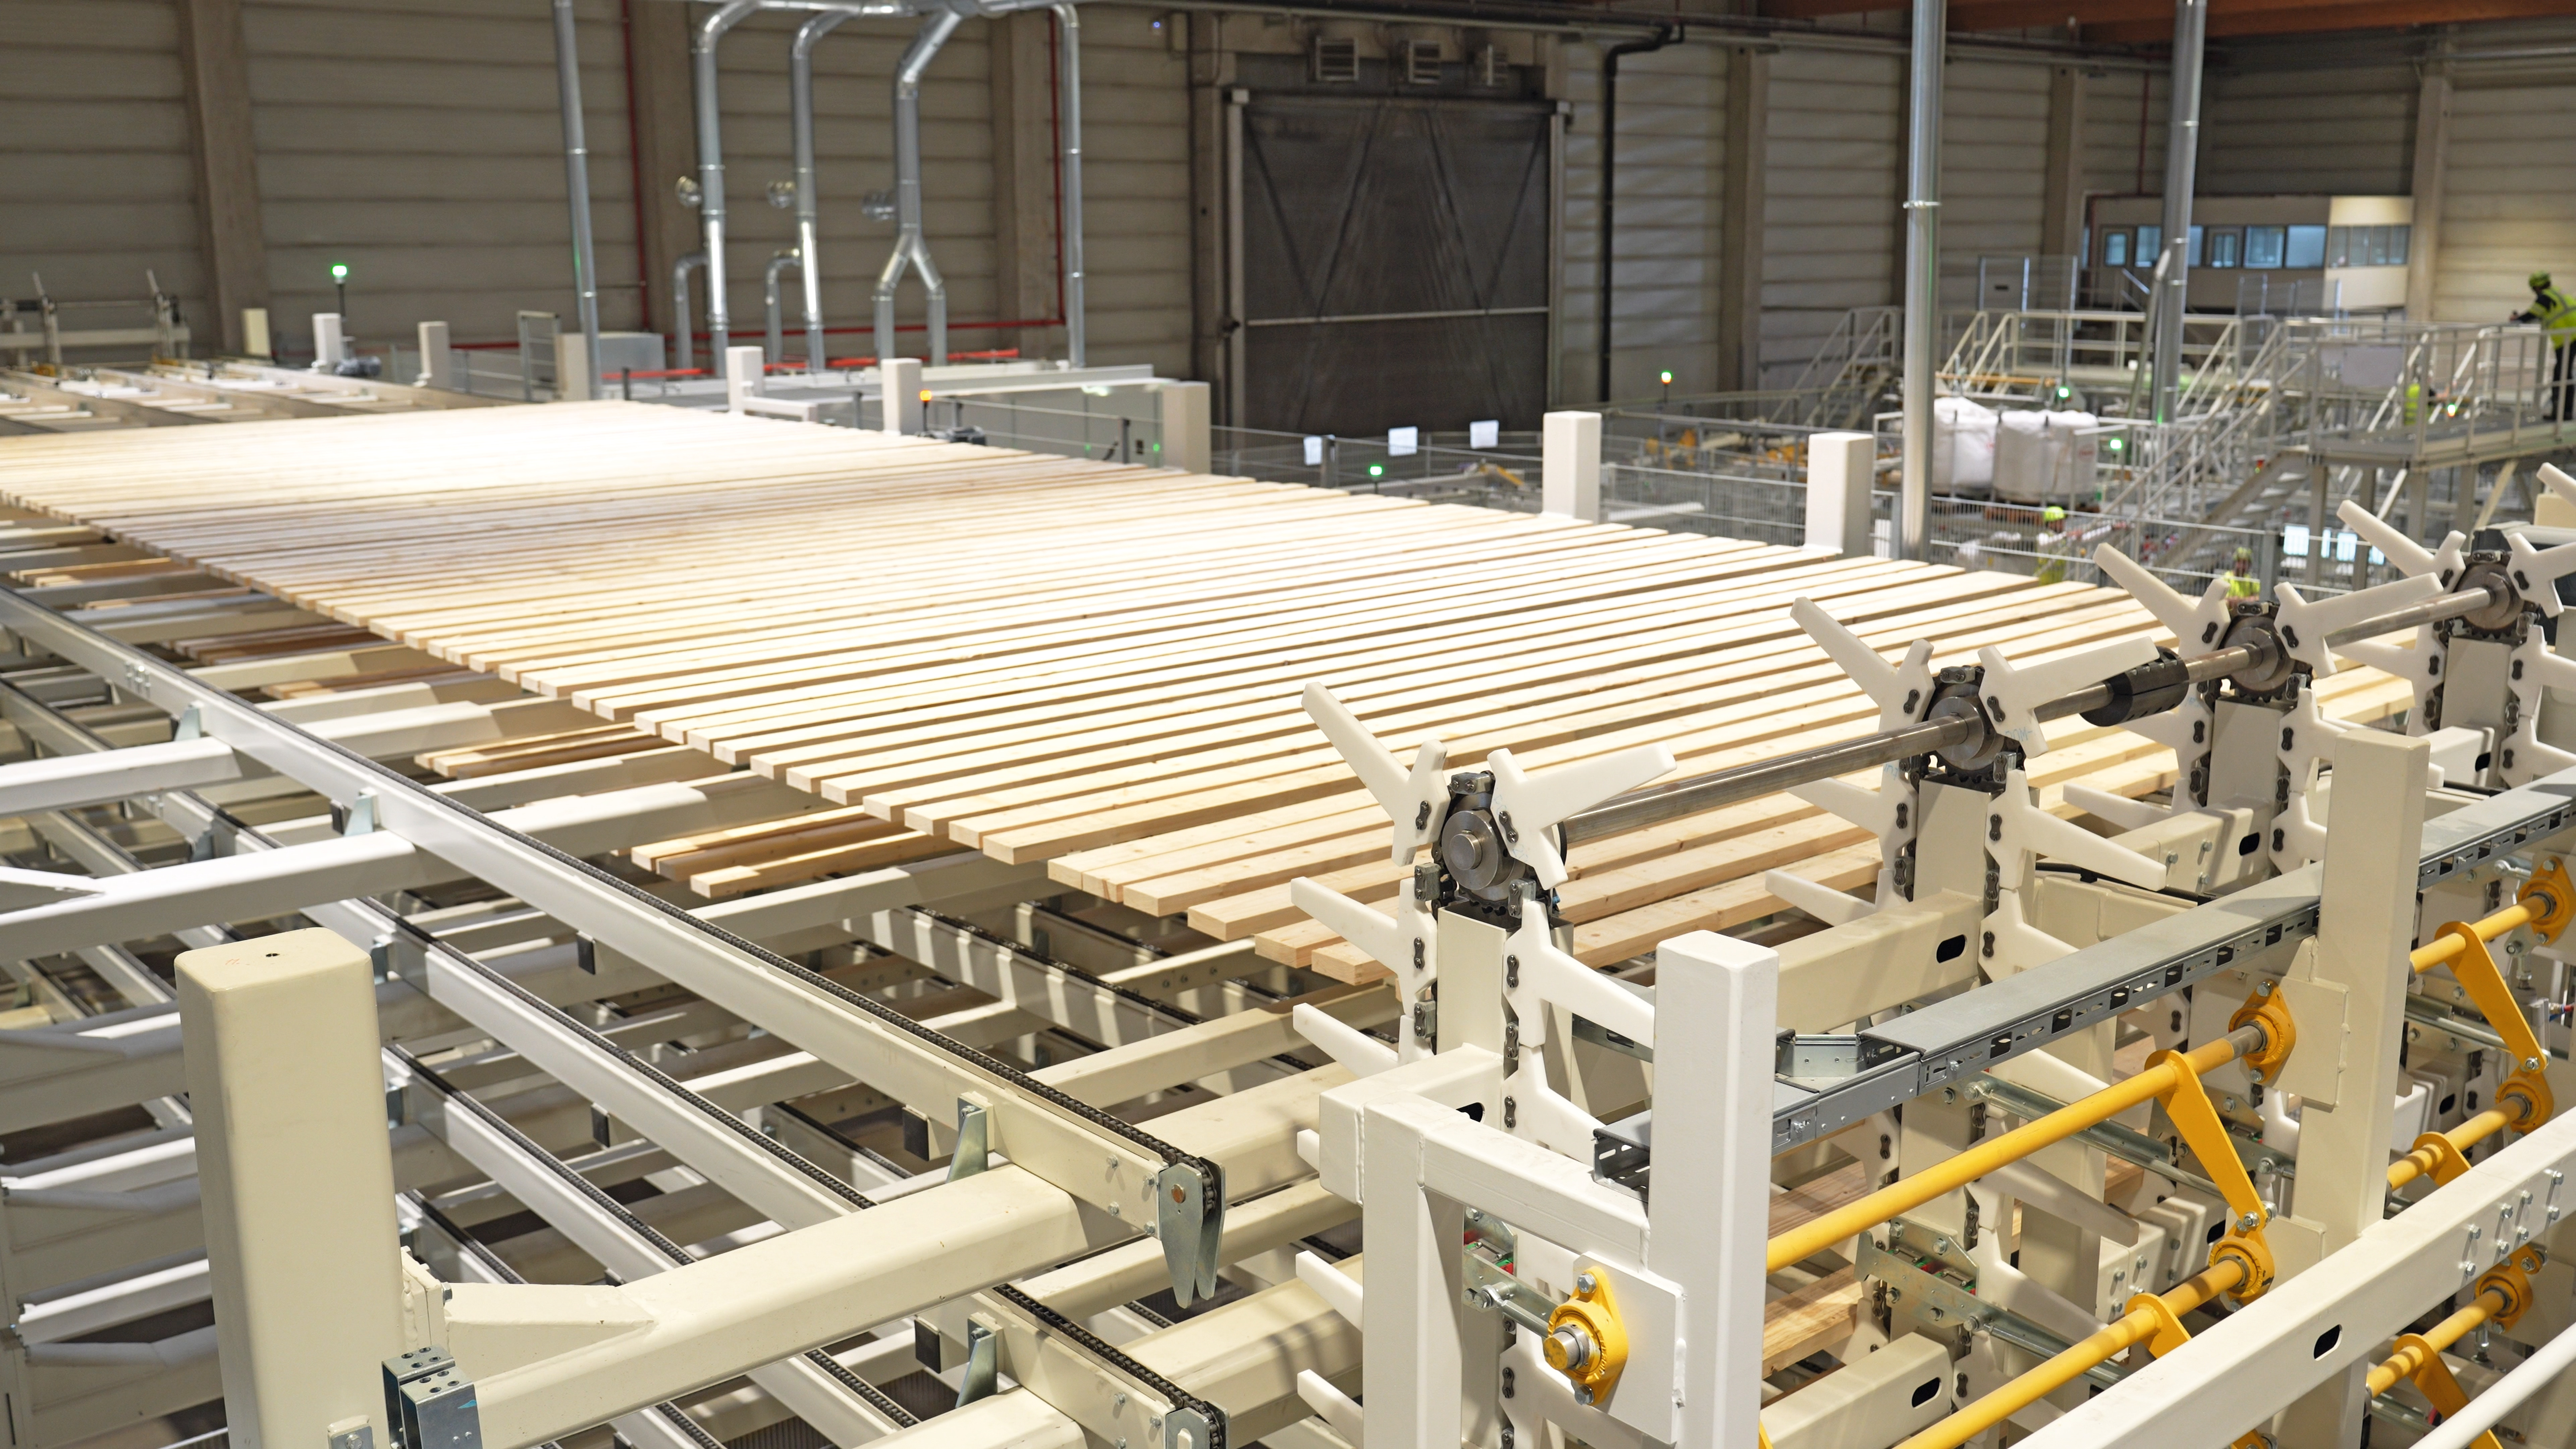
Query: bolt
[[2249, 1222], [2531, 1064], [1117, 1403], [2262, 988], [1586, 1284]]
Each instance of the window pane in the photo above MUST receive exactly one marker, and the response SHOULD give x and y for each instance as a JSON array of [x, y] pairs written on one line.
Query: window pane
[[2193, 252], [2151, 239], [2223, 247], [2307, 248], [2398, 237], [2263, 246], [2339, 246], [2115, 248]]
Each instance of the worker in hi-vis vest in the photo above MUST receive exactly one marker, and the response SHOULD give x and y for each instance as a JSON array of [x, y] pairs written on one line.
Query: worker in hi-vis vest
[[2241, 583], [2557, 318]]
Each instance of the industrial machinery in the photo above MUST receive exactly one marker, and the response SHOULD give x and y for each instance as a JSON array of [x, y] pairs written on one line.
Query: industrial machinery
[[2228, 1119]]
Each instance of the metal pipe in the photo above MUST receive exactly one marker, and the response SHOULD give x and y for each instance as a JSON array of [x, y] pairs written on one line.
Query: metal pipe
[[1955, 1172], [780, 259], [1610, 171], [800, 100], [585, 257], [1728, 787], [1068, 120], [711, 192], [909, 248], [800, 104], [1922, 275], [2182, 159], [686, 354]]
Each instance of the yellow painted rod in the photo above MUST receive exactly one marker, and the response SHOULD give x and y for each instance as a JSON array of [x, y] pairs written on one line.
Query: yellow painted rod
[[2130, 1329], [2434, 952], [2465, 1136], [2403, 1363], [1951, 1174]]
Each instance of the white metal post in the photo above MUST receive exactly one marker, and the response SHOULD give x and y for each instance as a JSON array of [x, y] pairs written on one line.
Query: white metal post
[[1711, 1210], [1922, 273], [743, 375], [1413, 1365], [1571, 466], [298, 1183], [330, 347], [1185, 426], [2365, 924], [900, 381], [437, 363], [1840, 469], [255, 332]]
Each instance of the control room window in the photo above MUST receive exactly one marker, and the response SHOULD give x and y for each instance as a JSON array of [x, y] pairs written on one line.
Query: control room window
[[2224, 247], [2115, 247], [2264, 246], [2307, 248]]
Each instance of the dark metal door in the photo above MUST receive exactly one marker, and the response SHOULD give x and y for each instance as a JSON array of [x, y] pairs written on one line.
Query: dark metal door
[[1394, 263]]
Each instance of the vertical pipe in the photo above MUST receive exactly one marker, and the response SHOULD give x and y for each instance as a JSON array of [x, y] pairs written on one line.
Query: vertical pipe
[[775, 350], [2182, 158], [1069, 124], [711, 191], [908, 245], [800, 92], [585, 259], [1922, 272], [685, 353], [1610, 175]]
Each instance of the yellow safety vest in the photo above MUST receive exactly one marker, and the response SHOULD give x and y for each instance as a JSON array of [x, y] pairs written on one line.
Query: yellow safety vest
[[2244, 586], [2556, 315]]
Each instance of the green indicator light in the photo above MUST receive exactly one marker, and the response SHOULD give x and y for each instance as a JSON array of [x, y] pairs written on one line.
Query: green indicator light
[[339, 271], [1377, 470]]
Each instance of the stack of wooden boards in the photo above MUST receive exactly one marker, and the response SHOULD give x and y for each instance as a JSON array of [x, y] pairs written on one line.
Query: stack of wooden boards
[[1092, 665]]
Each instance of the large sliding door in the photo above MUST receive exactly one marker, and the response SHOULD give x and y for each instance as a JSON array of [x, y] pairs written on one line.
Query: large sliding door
[[1393, 258]]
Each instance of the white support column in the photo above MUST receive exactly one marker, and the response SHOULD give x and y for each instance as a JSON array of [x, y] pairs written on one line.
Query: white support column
[[901, 379], [2365, 926], [255, 341], [330, 345], [572, 368], [1711, 1211], [1413, 1367], [1571, 467], [743, 375], [1185, 426], [437, 362], [1840, 469], [298, 1183]]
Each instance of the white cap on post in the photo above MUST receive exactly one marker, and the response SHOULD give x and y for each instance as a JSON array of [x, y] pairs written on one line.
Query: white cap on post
[[1571, 468], [743, 373], [330, 346], [1840, 469], [255, 332], [900, 377], [1185, 426], [437, 362]]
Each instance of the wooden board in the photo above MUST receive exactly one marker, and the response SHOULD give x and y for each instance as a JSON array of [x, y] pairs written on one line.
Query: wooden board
[[1047, 659]]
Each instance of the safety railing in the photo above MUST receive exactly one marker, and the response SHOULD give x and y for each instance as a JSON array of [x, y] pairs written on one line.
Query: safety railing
[[1115, 425], [1729, 505], [1436, 467]]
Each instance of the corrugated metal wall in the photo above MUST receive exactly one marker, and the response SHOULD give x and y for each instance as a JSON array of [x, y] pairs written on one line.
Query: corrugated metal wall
[[1832, 228], [1136, 189], [1665, 225], [1994, 161], [2509, 206], [96, 172], [2346, 130], [2124, 133], [420, 142]]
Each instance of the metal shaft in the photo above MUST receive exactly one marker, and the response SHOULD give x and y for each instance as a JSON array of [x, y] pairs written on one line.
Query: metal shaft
[[1728, 787]]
